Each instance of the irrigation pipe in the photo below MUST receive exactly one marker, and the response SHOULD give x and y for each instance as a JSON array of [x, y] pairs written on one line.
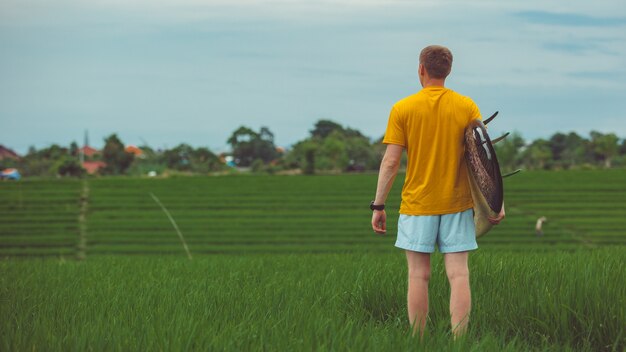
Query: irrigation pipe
[[169, 216]]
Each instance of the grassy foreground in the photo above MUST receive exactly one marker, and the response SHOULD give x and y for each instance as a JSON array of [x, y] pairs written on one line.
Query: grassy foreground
[[557, 301]]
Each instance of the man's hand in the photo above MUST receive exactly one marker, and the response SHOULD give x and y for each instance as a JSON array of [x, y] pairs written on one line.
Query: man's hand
[[498, 218], [379, 222]]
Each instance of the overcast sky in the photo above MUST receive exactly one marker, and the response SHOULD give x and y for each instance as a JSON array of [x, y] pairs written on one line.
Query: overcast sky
[[167, 72]]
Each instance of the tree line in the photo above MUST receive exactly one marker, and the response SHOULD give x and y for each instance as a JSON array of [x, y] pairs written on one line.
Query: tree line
[[562, 151], [329, 148]]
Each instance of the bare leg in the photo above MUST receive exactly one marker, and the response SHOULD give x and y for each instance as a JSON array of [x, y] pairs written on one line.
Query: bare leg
[[460, 294], [417, 297]]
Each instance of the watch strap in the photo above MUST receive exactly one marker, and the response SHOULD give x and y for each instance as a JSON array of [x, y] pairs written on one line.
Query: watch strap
[[377, 206]]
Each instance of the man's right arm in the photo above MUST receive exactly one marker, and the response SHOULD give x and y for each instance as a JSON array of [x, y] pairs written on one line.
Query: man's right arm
[[388, 171], [387, 174]]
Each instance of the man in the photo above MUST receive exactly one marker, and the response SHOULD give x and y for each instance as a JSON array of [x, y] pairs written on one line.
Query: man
[[436, 204]]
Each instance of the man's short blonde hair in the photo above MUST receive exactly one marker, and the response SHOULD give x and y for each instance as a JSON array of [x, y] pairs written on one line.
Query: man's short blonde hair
[[437, 61]]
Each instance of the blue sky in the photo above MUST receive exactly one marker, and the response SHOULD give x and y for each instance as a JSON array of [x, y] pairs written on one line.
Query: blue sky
[[167, 72]]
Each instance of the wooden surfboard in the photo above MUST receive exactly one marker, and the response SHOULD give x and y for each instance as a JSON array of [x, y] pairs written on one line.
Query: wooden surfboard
[[484, 175]]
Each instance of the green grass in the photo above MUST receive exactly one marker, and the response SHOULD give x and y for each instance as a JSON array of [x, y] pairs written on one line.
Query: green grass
[[253, 214], [290, 263], [308, 302]]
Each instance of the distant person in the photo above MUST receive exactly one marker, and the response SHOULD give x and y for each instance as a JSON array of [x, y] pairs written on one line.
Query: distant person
[[539, 225], [436, 207]]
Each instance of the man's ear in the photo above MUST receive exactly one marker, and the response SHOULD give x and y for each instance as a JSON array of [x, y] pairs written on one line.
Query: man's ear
[[421, 74]]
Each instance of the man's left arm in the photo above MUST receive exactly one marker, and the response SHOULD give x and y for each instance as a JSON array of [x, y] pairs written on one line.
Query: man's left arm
[[387, 174]]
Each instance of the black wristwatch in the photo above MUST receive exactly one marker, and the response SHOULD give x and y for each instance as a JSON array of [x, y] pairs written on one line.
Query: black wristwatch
[[377, 207]]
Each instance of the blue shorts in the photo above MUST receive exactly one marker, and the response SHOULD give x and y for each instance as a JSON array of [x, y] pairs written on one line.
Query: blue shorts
[[451, 232]]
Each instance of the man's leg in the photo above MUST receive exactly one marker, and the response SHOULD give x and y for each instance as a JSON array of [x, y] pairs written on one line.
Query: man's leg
[[417, 297], [460, 295]]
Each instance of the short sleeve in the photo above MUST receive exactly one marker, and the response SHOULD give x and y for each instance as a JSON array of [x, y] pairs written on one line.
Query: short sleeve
[[474, 112], [395, 133]]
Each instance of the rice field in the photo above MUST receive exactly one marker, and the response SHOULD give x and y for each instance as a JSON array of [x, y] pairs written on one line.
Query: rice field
[[290, 263], [351, 301], [283, 214]]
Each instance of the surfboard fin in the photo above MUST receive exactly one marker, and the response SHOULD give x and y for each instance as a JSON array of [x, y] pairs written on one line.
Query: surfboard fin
[[511, 173], [490, 118], [499, 138]]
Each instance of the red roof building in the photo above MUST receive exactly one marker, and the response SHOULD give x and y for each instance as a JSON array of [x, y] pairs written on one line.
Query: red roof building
[[92, 167], [134, 150], [89, 151], [6, 153]]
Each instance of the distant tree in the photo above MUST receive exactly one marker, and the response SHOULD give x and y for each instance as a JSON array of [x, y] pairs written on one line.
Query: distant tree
[[203, 155], [264, 150], [361, 153], [241, 142], [334, 148], [69, 166], [509, 151], [558, 144], [323, 128], [179, 157], [309, 161], [43, 162], [185, 158], [74, 149], [53, 152], [620, 160], [605, 146], [31, 165], [302, 155], [248, 145], [574, 152], [116, 158], [350, 132], [537, 154], [147, 150], [332, 154], [241, 135], [9, 163], [203, 160], [257, 166], [266, 135]]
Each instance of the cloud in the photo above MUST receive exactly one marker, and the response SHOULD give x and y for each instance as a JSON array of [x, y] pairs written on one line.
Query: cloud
[[570, 19], [579, 47], [118, 65], [600, 75], [80, 12]]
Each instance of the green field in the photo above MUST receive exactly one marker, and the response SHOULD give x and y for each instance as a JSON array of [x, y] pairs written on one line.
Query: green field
[[290, 263], [284, 214], [340, 302]]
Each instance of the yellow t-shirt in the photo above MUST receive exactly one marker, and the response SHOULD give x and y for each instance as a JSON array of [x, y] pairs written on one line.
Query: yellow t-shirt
[[430, 125]]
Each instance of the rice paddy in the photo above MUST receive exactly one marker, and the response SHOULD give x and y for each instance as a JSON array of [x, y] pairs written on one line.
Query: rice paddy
[[290, 263], [284, 214]]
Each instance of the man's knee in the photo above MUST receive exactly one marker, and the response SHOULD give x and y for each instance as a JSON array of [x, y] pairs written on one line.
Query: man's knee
[[457, 273], [419, 274], [418, 265], [456, 266]]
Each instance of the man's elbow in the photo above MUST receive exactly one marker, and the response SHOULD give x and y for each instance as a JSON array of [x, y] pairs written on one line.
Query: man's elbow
[[391, 163]]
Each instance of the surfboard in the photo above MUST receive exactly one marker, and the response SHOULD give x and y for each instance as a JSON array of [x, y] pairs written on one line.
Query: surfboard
[[484, 175]]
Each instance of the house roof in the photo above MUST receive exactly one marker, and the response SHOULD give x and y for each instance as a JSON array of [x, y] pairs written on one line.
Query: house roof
[[93, 167], [133, 149], [89, 151], [6, 153]]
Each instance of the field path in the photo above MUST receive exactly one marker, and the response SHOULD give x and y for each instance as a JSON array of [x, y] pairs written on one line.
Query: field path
[[82, 222]]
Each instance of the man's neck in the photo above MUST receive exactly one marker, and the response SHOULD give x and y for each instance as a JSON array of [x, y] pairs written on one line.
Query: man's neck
[[431, 82]]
